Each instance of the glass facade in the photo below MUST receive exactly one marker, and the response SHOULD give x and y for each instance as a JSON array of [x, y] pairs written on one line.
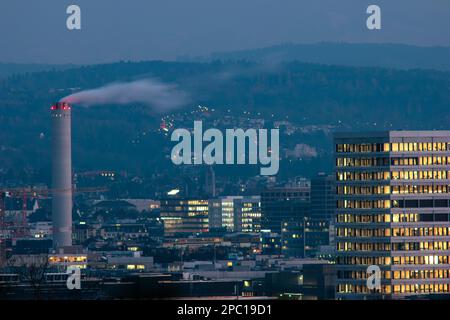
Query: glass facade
[[393, 210], [235, 213], [247, 214], [184, 216], [317, 225], [281, 204]]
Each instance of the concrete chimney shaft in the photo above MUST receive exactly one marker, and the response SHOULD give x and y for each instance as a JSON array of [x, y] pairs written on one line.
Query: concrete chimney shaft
[[61, 174]]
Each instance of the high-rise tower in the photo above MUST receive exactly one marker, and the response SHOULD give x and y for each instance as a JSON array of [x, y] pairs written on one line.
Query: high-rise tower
[[393, 212], [61, 175]]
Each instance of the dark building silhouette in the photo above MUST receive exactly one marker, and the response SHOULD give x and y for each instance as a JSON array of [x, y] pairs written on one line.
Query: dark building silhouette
[[283, 204], [293, 237], [317, 224], [210, 182]]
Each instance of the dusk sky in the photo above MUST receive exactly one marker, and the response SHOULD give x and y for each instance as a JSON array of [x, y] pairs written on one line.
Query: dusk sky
[[35, 31]]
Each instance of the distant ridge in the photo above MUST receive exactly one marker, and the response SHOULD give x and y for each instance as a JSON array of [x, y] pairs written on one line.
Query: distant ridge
[[9, 69], [399, 56]]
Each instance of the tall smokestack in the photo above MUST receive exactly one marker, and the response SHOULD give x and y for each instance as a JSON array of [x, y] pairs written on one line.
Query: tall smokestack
[[61, 175]]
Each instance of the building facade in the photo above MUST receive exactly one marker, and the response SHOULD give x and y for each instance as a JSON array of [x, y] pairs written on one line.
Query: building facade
[[247, 214], [293, 238], [182, 216], [392, 197], [283, 204], [222, 213], [235, 213], [318, 224]]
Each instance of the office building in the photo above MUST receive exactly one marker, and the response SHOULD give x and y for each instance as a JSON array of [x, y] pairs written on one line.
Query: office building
[[293, 238], [182, 216], [270, 243], [222, 213], [322, 197], [317, 234], [247, 214], [282, 204], [235, 213], [215, 214], [318, 222], [393, 212]]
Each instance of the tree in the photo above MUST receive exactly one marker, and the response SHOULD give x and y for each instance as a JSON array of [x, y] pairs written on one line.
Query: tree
[[32, 270]]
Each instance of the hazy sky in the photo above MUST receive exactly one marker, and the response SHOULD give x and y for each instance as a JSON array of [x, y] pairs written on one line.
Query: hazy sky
[[35, 31]]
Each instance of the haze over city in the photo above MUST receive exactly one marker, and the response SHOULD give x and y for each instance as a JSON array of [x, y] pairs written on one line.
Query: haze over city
[[34, 31]]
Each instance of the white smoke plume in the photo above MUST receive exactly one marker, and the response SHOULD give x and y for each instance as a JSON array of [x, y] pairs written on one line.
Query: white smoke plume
[[159, 96]]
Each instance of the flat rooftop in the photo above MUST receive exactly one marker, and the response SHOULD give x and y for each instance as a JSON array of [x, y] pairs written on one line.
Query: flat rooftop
[[393, 133]]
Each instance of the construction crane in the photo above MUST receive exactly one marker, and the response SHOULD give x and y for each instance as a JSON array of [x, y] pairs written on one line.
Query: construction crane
[[25, 193], [21, 228]]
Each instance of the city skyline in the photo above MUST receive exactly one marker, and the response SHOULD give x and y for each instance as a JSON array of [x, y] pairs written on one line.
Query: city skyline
[[218, 158]]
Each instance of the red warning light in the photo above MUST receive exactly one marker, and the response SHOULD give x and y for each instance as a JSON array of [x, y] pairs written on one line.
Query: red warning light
[[60, 106]]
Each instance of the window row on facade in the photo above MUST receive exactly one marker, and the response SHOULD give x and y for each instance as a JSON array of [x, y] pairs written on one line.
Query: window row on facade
[[363, 204], [363, 218], [421, 232], [418, 260], [436, 231], [420, 189], [396, 289], [392, 147], [385, 204], [422, 203], [420, 175], [398, 274], [400, 246], [394, 175], [420, 161], [357, 232], [363, 246], [362, 176], [386, 190], [395, 217], [364, 260], [421, 260], [395, 161]]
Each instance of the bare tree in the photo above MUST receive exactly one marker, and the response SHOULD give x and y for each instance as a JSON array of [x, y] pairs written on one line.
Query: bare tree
[[33, 272]]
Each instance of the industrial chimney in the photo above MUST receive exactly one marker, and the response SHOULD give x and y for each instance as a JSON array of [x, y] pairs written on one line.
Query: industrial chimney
[[61, 175]]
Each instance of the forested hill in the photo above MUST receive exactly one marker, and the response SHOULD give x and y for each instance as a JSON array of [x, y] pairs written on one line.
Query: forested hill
[[9, 69], [306, 94], [318, 93]]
